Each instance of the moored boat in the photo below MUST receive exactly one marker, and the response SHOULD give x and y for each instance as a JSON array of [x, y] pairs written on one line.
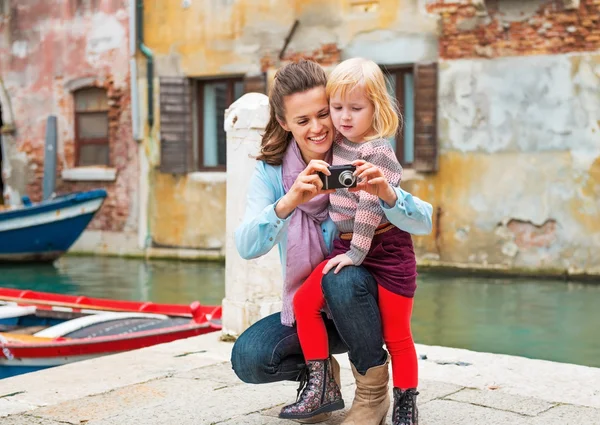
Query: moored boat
[[40, 330], [43, 231]]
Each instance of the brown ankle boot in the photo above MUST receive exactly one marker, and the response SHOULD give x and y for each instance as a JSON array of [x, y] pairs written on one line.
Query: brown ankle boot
[[405, 410], [371, 400], [321, 394], [335, 369]]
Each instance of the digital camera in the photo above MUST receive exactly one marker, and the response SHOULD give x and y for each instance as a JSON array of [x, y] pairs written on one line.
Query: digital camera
[[342, 177]]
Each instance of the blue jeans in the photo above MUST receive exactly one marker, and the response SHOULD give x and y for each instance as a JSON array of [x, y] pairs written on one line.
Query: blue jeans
[[269, 351]]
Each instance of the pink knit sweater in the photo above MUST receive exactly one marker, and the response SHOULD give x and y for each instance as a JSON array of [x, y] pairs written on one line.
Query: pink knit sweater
[[360, 212]]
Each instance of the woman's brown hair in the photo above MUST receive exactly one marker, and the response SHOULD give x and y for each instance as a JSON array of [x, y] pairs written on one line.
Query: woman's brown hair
[[290, 79]]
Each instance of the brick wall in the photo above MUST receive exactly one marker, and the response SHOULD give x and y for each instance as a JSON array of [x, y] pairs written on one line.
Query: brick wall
[[551, 29], [326, 55], [38, 79]]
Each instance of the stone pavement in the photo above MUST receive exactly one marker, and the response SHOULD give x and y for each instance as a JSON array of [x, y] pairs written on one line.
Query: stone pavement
[[191, 382]]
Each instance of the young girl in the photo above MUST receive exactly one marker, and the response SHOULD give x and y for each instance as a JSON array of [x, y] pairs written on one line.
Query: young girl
[[365, 116]]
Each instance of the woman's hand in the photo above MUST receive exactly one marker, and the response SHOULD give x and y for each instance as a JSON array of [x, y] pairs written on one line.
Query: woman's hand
[[308, 184], [373, 181], [340, 261]]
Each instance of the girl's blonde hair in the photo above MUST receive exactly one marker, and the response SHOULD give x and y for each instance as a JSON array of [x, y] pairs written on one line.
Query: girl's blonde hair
[[364, 73]]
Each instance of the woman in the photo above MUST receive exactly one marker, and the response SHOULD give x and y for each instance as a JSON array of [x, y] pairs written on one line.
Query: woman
[[295, 147]]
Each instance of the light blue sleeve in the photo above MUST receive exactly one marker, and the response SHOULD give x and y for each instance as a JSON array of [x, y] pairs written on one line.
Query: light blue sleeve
[[410, 213], [260, 229]]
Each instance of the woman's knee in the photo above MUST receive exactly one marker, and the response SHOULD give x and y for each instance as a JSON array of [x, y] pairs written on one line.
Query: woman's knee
[[246, 361], [257, 353], [351, 282]]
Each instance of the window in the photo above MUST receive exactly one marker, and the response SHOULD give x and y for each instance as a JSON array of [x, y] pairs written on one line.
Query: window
[[192, 136], [91, 127], [401, 86], [214, 96]]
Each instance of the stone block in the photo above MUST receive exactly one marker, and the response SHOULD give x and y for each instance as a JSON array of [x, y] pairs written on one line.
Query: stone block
[[27, 420], [256, 419], [568, 414], [11, 407], [196, 405], [221, 373], [498, 400], [147, 396], [431, 390], [446, 412]]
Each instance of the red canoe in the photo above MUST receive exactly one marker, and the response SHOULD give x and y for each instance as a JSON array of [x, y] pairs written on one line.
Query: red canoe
[[40, 330]]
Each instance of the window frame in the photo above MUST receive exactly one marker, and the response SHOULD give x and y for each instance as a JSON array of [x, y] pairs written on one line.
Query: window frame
[[95, 141], [200, 83], [398, 71]]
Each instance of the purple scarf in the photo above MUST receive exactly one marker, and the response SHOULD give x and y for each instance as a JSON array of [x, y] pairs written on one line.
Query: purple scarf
[[305, 244]]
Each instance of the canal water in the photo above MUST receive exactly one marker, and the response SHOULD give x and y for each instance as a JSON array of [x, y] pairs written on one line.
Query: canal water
[[540, 319]]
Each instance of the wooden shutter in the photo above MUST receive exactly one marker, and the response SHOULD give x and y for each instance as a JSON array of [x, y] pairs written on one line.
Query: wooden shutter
[[256, 83], [426, 144], [175, 125]]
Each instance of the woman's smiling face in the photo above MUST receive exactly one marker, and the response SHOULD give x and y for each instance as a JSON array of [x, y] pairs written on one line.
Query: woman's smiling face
[[307, 118]]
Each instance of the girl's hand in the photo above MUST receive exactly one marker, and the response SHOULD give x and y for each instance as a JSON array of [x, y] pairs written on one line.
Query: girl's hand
[[373, 181], [340, 261], [308, 184]]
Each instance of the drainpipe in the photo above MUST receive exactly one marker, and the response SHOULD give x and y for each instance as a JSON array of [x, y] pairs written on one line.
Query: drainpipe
[[136, 13], [149, 61], [133, 87]]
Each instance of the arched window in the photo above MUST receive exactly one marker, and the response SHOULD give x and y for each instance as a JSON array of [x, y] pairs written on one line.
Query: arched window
[[91, 127]]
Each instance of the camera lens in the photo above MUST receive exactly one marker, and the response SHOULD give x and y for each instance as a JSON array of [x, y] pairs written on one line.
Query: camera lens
[[346, 178]]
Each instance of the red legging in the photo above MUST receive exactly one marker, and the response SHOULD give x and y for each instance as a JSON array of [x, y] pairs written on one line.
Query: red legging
[[395, 310]]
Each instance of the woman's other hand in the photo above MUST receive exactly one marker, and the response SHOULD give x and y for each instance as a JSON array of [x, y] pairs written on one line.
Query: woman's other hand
[[340, 261], [308, 184], [373, 181]]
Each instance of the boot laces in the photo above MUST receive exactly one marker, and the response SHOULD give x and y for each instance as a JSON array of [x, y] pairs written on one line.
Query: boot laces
[[405, 408], [303, 378]]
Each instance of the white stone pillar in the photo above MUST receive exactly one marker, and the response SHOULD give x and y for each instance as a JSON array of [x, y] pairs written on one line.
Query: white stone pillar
[[252, 287]]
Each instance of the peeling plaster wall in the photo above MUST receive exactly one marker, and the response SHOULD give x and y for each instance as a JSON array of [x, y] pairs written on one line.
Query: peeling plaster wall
[[188, 212], [48, 48], [236, 37], [219, 37], [519, 176]]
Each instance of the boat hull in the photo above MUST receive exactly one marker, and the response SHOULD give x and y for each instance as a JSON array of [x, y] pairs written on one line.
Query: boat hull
[[26, 359], [45, 231], [15, 367], [94, 327], [31, 257]]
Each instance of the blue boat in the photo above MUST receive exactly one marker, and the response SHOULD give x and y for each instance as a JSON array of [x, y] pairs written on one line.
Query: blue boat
[[42, 232]]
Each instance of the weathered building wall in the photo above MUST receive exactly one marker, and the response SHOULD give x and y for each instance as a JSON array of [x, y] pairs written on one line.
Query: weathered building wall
[[48, 49], [241, 37], [188, 212], [518, 109], [519, 174], [519, 177]]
